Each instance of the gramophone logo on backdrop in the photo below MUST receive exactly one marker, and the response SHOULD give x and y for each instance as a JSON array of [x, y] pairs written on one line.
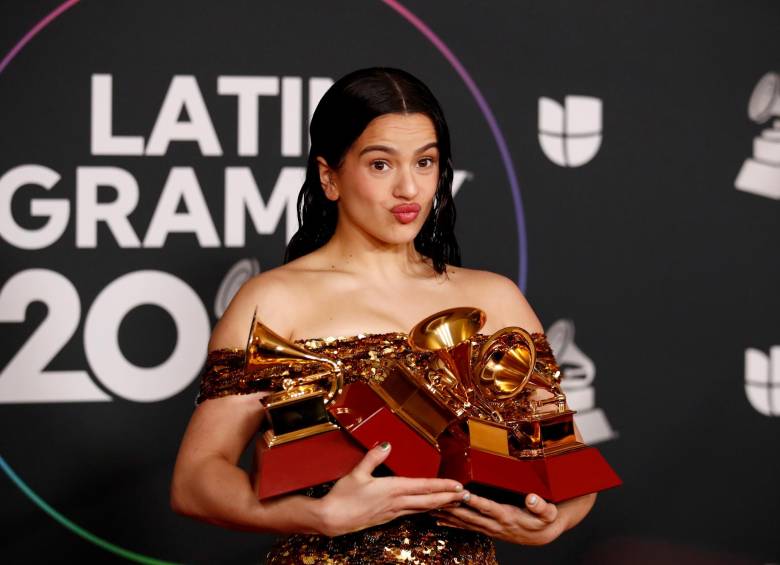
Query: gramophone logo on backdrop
[[762, 380], [570, 135], [236, 276], [760, 174], [579, 372]]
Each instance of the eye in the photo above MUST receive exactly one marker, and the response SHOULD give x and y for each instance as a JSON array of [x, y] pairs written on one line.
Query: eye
[[426, 162], [379, 165]]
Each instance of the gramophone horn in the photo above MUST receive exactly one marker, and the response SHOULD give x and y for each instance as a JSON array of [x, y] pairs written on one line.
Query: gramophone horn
[[446, 329], [447, 334], [765, 100], [266, 347], [503, 372]]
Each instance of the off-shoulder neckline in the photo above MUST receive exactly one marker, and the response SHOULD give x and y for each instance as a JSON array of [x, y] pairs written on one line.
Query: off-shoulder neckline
[[349, 338], [362, 336], [326, 339], [355, 337]]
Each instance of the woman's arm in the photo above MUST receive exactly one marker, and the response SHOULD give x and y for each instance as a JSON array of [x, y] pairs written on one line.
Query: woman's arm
[[208, 485]]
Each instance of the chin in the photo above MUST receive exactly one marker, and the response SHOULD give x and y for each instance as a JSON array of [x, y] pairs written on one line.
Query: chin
[[405, 234], [401, 241]]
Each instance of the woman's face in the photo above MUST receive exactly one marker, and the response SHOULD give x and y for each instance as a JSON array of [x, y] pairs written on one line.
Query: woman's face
[[386, 184]]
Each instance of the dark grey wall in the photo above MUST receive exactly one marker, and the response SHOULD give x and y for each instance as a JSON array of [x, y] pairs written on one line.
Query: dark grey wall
[[669, 273]]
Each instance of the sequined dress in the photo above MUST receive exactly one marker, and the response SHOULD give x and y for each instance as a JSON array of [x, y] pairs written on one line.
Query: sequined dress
[[414, 539]]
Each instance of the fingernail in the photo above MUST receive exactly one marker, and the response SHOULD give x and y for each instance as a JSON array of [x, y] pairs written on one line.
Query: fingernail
[[458, 487], [384, 446], [532, 500], [466, 496]]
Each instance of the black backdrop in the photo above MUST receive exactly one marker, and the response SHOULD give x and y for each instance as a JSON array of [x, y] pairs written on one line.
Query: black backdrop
[[669, 273]]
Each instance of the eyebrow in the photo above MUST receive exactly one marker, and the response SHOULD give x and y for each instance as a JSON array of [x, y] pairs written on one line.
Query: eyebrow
[[392, 151]]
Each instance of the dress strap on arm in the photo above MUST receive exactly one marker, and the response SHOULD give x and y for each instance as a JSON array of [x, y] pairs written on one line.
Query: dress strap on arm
[[224, 374]]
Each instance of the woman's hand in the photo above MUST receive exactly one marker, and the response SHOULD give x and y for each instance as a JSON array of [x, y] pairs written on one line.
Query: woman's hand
[[360, 500], [539, 523]]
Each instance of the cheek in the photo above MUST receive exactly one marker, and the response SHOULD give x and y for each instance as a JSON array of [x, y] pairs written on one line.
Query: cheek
[[434, 183], [431, 184], [367, 191], [364, 194], [427, 201]]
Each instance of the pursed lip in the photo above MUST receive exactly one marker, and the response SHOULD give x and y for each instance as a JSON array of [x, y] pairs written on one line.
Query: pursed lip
[[406, 213], [406, 209]]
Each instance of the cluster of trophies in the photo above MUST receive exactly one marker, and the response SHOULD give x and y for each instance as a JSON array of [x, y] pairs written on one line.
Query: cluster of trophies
[[494, 419]]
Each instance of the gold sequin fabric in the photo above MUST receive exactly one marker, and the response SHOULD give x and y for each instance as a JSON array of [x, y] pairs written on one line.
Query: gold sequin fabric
[[414, 539], [365, 357]]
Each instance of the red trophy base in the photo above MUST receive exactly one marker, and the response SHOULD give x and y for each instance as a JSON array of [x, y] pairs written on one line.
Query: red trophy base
[[366, 417], [303, 463], [555, 478]]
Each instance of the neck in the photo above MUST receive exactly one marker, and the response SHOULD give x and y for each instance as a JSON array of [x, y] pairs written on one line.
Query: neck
[[353, 250]]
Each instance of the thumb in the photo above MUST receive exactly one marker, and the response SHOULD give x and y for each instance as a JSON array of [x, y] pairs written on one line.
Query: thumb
[[547, 511], [373, 459]]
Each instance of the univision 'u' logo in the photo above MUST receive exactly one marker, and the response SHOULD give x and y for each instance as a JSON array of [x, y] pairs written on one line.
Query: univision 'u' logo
[[762, 380], [570, 135]]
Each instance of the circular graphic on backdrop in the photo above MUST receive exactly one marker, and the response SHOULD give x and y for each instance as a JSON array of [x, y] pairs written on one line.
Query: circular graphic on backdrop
[[157, 167]]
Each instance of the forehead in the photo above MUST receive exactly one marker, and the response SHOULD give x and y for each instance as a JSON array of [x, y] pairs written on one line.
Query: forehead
[[398, 129]]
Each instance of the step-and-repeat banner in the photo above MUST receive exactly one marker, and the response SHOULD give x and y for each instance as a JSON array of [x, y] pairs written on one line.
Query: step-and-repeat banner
[[620, 161]]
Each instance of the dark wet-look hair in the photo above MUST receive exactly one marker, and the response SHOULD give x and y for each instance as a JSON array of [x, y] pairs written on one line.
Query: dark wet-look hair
[[341, 116]]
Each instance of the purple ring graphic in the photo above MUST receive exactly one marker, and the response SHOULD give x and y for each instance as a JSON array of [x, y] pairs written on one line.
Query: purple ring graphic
[[491, 120], [505, 157], [35, 30]]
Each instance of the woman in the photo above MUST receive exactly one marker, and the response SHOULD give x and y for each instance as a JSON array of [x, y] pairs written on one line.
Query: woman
[[375, 253]]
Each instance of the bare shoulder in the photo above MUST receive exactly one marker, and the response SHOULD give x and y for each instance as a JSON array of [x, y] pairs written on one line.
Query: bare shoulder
[[272, 294], [499, 296]]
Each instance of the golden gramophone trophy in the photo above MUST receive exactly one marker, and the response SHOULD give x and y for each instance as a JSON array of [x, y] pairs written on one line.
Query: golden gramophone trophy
[[517, 432], [300, 445], [399, 409], [316, 429]]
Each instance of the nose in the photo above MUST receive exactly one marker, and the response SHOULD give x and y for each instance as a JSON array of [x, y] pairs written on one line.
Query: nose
[[406, 185]]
